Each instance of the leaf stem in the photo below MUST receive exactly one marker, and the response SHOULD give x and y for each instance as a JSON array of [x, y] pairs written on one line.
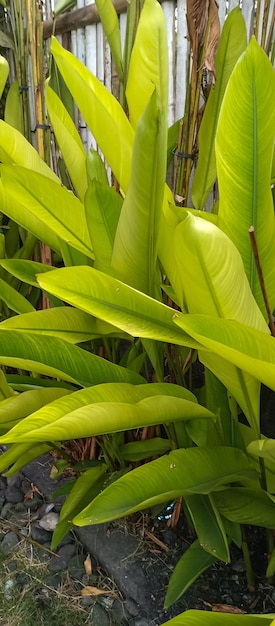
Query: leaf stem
[[261, 278]]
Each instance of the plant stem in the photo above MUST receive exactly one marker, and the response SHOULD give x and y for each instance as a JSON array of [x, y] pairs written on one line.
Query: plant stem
[[248, 566]]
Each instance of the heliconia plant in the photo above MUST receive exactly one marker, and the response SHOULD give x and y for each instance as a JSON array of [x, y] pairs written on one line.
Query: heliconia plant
[[123, 249]]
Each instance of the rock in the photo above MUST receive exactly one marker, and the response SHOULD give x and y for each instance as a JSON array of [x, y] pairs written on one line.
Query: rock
[[100, 617], [118, 613], [3, 482], [113, 550], [49, 521], [141, 622], [7, 509], [13, 494], [62, 559], [9, 542], [9, 589], [39, 534]]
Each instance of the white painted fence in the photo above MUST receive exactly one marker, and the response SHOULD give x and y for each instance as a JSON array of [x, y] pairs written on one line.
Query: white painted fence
[[89, 45]]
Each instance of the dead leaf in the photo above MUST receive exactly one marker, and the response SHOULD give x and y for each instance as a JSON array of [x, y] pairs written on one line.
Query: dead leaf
[[224, 608], [88, 565], [94, 591], [213, 38], [156, 540], [197, 17]]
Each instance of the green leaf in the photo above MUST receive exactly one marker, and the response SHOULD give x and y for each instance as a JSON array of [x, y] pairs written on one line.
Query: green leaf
[[264, 448], [67, 323], [13, 299], [95, 168], [56, 357], [103, 114], [103, 207], [135, 247], [20, 406], [182, 472], [61, 6], [246, 506], [109, 19], [4, 72], [191, 565], [19, 454], [139, 450], [116, 303], [247, 348], [69, 141], [244, 149], [85, 488], [15, 149], [25, 270], [105, 416], [222, 289], [231, 45], [13, 108], [196, 618], [148, 69], [216, 267], [54, 206], [208, 525]]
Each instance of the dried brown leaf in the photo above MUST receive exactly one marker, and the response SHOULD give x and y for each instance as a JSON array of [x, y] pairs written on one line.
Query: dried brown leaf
[[226, 608], [197, 18], [88, 565], [213, 38], [94, 591]]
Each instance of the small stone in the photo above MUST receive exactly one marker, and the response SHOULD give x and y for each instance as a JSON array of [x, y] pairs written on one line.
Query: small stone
[[22, 580], [9, 542], [131, 608], [33, 504], [239, 566], [118, 612], [87, 601], [49, 521], [39, 534], [7, 509], [25, 486], [8, 589], [11, 566], [54, 581], [57, 564], [141, 622], [13, 494], [100, 617], [2, 500], [67, 552], [3, 482], [14, 481], [20, 507]]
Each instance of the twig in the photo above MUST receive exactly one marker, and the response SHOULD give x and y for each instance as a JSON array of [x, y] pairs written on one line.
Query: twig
[[261, 278]]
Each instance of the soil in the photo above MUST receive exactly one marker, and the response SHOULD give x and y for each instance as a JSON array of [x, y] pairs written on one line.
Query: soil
[[138, 555]]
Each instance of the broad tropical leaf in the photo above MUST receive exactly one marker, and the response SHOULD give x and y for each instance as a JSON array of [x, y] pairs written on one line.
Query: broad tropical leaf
[[192, 563], [109, 19], [196, 618], [232, 44], [103, 114], [67, 323], [148, 68], [25, 270], [182, 472], [13, 299], [246, 506], [60, 359], [19, 454], [105, 409], [69, 142], [135, 247], [4, 72], [14, 148], [13, 108], [54, 206], [208, 525], [14, 409], [247, 348], [114, 302], [102, 205], [244, 148]]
